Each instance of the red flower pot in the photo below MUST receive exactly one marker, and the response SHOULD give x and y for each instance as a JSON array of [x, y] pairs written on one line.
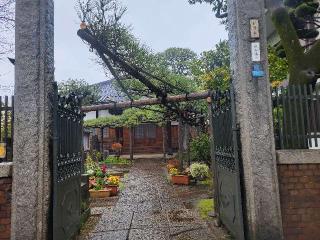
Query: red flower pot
[[180, 179], [114, 189]]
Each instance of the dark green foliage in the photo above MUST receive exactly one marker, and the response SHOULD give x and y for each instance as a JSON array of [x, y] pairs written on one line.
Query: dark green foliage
[[213, 67], [178, 60], [89, 94], [218, 57], [302, 14], [278, 67], [304, 65], [113, 160], [200, 149]]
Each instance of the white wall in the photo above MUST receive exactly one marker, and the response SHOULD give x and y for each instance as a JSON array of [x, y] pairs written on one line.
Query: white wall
[[104, 113], [90, 115]]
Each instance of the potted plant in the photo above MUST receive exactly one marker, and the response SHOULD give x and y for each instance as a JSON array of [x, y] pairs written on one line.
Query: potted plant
[[113, 184], [117, 147], [98, 189], [173, 162], [178, 178], [199, 171]]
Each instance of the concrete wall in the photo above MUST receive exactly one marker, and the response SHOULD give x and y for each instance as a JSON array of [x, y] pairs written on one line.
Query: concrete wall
[[5, 200], [299, 180]]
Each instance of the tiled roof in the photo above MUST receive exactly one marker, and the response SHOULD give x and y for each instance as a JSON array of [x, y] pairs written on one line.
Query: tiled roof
[[109, 92]]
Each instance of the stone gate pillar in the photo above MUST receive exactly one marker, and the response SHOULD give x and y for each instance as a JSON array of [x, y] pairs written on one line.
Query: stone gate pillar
[[34, 75], [249, 64]]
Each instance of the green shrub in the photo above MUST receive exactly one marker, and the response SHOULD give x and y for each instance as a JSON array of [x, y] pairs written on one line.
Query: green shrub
[[205, 206], [95, 155], [116, 160], [199, 171], [91, 166], [200, 149]]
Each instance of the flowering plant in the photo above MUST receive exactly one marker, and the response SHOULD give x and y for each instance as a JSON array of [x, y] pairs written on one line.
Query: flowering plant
[[103, 168], [199, 171], [113, 180], [173, 171], [97, 183]]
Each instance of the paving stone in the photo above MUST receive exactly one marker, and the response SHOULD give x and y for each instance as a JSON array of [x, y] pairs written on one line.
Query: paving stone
[[149, 208], [149, 234], [198, 232], [99, 210], [111, 235], [183, 217], [117, 220], [150, 219]]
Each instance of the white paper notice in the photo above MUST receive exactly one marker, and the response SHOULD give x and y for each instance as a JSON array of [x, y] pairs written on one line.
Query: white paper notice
[[255, 52], [254, 28]]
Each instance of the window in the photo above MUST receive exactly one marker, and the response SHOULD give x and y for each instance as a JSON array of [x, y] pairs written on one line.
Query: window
[[150, 131], [105, 132], [147, 131], [139, 132]]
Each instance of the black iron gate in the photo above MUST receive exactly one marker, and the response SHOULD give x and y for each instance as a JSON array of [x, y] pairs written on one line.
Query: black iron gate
[[67, 165], [227, 163]]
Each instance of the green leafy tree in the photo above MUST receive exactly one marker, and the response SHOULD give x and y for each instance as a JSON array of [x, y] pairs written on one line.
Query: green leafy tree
[[213, 67], [200, 149], [278, 67], [139, 72], [294, 20], [178, 60], [89, 94]]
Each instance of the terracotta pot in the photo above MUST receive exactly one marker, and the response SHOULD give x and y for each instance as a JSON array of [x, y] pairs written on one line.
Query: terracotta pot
[[100, 193], [180, 179], [113, 189]]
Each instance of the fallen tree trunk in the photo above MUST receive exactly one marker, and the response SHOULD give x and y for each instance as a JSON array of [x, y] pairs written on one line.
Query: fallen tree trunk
[[151, 101]]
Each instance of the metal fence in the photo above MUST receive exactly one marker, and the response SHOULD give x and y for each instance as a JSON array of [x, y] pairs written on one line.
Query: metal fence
[[6, 128], [296, 116]]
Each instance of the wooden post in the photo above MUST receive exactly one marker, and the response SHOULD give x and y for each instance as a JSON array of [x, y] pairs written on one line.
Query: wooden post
[[101, 146], [169, 137], [187, 135], [131, 143], [164, 142], [181, 137]]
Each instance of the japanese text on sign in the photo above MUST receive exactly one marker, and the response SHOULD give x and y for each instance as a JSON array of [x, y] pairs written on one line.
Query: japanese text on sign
[[255, 52]]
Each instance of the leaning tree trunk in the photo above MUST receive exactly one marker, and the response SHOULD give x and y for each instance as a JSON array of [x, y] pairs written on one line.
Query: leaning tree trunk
[[304, 66]]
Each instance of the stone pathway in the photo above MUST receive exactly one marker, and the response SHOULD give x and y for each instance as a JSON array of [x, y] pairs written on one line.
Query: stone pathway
[[149, 208]]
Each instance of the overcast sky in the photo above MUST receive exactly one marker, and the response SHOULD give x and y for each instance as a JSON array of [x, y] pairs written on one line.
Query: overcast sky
[[160, 24]]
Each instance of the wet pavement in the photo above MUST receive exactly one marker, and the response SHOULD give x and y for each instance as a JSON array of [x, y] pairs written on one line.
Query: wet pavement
[[149, 207]]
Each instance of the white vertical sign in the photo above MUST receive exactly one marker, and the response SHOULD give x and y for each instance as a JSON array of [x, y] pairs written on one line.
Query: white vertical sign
[[255, 52]]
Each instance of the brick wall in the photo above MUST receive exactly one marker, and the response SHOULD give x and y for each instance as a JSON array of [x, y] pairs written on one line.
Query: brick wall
[[5, 207], [300, 200]]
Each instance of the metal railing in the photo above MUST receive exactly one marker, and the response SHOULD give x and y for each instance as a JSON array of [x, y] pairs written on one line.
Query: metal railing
[[6, 128], [296, 117]]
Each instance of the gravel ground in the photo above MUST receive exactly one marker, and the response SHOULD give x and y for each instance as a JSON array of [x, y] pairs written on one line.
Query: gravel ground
[[150, 208]]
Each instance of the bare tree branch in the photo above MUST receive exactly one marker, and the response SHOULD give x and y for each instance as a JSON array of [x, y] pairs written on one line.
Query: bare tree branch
[[6, 26]]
